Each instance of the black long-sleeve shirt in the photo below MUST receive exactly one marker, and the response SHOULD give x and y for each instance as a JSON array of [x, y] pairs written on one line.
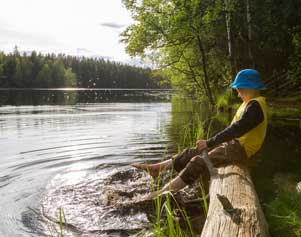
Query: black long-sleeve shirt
[[252, 116]]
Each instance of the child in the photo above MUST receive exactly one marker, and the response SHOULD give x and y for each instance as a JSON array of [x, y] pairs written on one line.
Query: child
[[236, 143]]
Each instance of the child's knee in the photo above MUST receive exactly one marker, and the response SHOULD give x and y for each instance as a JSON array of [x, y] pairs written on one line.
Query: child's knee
[[193, 170], [197, 159]]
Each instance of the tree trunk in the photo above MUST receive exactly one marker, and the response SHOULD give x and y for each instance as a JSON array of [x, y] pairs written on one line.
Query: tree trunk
[[249, 25], [204, 67], [228, 18], [234, 208]]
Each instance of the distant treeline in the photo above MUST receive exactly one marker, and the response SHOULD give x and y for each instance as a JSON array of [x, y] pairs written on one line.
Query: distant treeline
[[52, 71]]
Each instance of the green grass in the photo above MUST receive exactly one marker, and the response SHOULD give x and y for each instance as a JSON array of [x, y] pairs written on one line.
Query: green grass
[[205, 202], [56, 229], [284, 112], [166, 221], [61, 222], [223, 100], [227, 99], [191, 133], [284, 214]]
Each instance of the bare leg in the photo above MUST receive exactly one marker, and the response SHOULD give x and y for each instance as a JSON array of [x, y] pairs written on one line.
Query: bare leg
[[155, 169], [193, 169], [184, 157], [175, 185]]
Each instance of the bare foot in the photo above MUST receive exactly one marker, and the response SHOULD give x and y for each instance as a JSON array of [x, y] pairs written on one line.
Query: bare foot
[[152, 169], [150, 196]]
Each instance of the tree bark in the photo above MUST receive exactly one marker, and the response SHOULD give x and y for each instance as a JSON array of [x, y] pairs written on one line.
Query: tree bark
[[190, 73], [249, 25], [234, 208], [228, 18], [204, 67]]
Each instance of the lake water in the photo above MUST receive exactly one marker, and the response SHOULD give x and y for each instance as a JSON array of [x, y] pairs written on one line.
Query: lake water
[[59, 149], [82, 138]]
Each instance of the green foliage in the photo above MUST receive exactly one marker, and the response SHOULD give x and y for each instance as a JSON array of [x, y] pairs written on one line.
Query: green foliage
[[192, 132], [223, 100], [284, 215], [188, 120], [226, 101], [176, 33], [54, 227], [47, 71], [57, 73], [61, 222], [295, 59], [283, 112], [203, 195], [166, 221], [70, 78], [44, 76], [201, 44], [171, 226]]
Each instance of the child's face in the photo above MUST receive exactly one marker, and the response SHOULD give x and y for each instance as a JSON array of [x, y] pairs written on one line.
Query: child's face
[[246, 93], [240, 92]]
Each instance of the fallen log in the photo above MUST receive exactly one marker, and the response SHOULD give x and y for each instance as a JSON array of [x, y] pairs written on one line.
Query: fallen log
[[234, 208]]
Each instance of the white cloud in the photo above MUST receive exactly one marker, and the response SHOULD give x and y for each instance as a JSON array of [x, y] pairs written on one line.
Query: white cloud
[[112, 25], [64, 26]]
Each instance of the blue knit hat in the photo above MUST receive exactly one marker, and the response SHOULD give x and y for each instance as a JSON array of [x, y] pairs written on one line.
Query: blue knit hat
[[248, 78]]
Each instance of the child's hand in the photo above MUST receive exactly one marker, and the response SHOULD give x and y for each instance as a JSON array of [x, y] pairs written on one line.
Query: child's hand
[[201, 144]]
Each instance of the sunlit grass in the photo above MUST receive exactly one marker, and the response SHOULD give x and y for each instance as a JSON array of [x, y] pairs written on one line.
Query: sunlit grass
[[61, 222], [55, 228], [167, 224], [166, 220]]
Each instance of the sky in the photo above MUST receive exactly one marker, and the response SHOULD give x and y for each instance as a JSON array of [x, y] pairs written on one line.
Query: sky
[[76, 27]]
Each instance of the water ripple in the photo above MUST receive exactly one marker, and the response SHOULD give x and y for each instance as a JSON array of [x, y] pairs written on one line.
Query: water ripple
[[42, 146]]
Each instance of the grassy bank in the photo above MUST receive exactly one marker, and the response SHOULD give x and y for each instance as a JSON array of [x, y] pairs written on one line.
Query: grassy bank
[[190, 121]]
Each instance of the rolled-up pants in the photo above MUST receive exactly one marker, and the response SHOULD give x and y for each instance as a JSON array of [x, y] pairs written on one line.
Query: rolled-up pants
[[191, 167]]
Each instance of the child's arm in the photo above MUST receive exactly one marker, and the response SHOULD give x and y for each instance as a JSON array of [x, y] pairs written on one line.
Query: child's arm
[[251, 118]]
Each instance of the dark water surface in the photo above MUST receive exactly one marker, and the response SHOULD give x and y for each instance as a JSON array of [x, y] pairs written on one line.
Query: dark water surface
[[71, 96]]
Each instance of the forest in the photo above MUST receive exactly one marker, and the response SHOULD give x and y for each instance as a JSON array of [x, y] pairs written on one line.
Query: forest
[[201, 44], [35, 70]]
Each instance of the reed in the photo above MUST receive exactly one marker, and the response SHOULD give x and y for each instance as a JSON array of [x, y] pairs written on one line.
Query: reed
[[167, 224], [61, 222], [55, 228]]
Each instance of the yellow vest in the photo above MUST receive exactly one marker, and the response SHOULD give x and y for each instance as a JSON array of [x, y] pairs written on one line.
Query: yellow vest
[[252, 140]]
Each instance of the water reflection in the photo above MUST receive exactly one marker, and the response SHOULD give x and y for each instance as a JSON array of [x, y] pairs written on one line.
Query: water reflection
[[73, 96], [70, 145]]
